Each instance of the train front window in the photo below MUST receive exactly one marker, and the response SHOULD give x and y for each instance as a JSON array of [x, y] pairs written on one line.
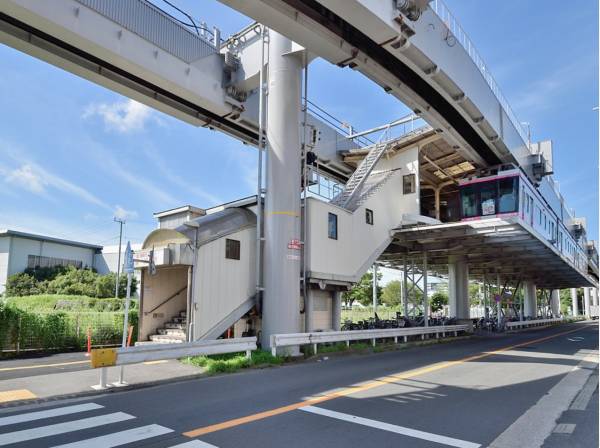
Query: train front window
[[487, 194], [468, 199], [508, 195]]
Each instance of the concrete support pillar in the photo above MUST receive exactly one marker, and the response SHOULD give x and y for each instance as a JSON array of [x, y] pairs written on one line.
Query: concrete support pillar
[[595, 296], [458, 287], [336, 310], [530, 299], [555, 302], [586, 302], [574, 301], [281, 304]]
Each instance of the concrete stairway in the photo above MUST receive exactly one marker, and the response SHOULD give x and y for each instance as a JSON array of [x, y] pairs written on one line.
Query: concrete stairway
[[173, 331]]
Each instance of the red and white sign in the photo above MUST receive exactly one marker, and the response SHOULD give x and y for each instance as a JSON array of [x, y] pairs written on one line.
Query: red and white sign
[[295, 245]]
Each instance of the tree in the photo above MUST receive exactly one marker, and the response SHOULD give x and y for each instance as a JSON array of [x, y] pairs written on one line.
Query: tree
[[391, 294], [363, 290], [21, 284], [438, 300]]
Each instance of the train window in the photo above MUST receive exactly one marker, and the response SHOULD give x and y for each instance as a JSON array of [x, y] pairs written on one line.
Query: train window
[[468, 199], [487, 194], [507, 195]]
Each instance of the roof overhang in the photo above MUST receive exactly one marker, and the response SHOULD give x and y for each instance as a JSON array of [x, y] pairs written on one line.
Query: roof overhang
[[491, 246]]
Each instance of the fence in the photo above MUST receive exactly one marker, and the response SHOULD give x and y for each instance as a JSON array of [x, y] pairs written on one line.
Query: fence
[[292, 339], [533, 323], [24, 330]]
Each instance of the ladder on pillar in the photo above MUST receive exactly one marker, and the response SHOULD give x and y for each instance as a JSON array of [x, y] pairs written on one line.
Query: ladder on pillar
[[356, 182]]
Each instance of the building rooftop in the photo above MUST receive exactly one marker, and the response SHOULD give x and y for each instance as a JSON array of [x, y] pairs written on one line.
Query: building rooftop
[[33, 236], [182, 209]]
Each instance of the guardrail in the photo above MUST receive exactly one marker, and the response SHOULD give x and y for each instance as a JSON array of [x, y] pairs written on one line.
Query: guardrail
[[459, 34], [533, 323], [108, 357], [292, 339]]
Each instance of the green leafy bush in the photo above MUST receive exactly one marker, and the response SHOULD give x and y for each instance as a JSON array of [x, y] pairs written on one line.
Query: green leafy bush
[[21, 284], [67, 281]]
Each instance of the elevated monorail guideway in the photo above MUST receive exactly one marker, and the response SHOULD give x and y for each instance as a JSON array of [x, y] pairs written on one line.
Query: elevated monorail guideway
[[494, 206]]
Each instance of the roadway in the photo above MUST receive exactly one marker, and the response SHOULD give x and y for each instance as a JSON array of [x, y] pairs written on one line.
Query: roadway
[[507, 391]]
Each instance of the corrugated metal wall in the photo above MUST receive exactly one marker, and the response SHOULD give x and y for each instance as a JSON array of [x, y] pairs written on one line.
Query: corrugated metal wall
[[149, 22]]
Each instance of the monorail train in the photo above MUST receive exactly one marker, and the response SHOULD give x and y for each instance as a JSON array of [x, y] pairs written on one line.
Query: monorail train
[[508, 193]]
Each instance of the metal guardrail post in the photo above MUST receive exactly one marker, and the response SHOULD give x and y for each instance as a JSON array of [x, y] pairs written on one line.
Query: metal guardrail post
[[103, 383]]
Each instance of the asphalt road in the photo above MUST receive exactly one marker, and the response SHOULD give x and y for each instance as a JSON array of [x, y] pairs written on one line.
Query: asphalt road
[[43, 364], [536, 388]]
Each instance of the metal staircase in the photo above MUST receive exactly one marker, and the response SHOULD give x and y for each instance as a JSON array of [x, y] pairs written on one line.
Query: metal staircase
[[352, 190]]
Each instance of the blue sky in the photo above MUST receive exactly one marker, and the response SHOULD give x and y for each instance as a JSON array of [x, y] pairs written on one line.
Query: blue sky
[[73, 154]]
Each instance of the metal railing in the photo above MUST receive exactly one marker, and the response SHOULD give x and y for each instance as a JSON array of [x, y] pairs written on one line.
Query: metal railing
[[103, 358], [533, 323], [294, 339], [456, 33]]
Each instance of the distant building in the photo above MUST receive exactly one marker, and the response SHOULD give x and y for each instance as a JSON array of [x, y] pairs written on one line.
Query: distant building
[[21, 250]]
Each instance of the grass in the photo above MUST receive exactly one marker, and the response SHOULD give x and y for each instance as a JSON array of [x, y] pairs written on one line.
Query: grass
[[233, 362], [68, 303]]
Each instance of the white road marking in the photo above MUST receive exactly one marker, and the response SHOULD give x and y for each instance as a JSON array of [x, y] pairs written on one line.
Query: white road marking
[[391, 428], [119, 438], [535, 425], [194, 444], [31, 416], [564, 428], [61, 428], [583, 398]]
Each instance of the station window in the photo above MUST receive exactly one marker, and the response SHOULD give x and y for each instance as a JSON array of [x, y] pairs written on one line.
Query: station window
[[232, 249], [332, 227], [369, 216], [409, 184]]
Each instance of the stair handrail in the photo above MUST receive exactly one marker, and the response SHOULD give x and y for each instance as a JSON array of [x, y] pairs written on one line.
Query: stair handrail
[[165, 301], [368, 171]]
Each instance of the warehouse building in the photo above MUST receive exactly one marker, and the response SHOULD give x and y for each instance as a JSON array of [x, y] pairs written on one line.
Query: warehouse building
[[22, 250]]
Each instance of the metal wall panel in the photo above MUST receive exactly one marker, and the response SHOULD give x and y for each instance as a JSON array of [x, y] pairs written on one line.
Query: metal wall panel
[[149, 22]]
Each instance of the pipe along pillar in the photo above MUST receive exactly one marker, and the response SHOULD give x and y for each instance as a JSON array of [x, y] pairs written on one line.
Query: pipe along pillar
[[281, 303]]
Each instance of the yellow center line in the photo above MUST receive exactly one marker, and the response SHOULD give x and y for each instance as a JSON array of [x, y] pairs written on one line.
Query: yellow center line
[[39, 366], [362, 387]]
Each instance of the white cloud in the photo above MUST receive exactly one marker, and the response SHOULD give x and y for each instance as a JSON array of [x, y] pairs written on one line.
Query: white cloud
[[26, 177], [122, 116], [37, 180], [121, 213]]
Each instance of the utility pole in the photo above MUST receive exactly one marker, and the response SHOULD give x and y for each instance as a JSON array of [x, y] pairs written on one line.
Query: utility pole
[[121, 222]]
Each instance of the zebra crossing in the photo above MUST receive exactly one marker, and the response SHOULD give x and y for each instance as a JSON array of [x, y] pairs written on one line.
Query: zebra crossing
[[40, 427]]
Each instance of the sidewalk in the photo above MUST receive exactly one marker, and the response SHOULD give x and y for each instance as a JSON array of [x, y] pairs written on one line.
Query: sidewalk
[[25, 382]]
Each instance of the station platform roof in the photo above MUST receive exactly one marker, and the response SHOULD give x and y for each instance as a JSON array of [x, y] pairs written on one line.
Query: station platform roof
[[492, 246]]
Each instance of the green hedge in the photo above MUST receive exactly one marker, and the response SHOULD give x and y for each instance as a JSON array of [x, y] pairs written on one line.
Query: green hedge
[[22, 329], [68, 303]]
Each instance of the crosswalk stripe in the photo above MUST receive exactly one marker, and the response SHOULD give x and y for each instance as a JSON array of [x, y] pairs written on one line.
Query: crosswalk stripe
[[194, 444], [61, 428], [391, 428], [119, 438], [38, 415]]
